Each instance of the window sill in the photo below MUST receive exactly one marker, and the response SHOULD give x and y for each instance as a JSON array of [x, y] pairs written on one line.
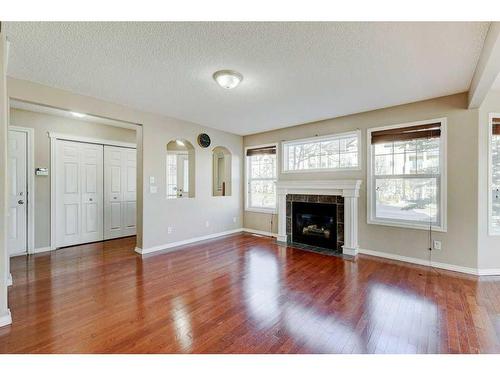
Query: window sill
[[271, 211], [406, 225]]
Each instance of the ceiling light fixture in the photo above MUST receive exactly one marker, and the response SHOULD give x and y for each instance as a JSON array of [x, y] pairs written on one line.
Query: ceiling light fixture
[[228, 79], [76, 114]]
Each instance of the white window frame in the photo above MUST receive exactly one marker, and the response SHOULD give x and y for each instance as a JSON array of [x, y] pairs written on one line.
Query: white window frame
[[247, 181], [284, 151], [442, 197], [491, 231]]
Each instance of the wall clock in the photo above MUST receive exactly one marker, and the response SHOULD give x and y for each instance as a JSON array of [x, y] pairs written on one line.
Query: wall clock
[[204, 140]]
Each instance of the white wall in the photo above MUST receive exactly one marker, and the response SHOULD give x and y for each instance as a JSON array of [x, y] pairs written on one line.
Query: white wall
[[488, 246], [460, 241], [43, 123], [4, 260], [186, 216]]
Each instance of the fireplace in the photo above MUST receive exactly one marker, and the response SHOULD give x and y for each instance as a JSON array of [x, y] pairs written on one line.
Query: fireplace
[[315, 224], [342, 193]]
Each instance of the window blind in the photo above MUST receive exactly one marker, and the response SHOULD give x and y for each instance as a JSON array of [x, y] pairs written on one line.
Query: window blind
[[268, 150], [496, 126], [432, 130]]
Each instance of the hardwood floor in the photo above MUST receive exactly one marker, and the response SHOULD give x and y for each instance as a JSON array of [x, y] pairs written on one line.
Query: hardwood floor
[[243, 294]]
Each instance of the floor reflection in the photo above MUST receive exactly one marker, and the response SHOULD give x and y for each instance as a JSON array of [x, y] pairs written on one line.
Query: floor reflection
[[320, 333], [391, 320], [400, 321], [182, 324], [262, 287]]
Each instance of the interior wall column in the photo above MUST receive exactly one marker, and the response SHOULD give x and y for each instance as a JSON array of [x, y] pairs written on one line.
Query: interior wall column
[[351, 246], [5, 317]]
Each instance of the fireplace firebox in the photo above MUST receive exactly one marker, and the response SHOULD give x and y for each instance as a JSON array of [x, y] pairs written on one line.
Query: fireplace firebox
[[315, 224]]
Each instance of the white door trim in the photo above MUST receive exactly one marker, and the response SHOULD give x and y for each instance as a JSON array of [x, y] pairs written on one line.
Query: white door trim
[[30, 167], [68, 137], [98, 141]]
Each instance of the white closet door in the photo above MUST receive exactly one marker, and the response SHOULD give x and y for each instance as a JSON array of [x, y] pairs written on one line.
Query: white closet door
[[92, 192], [79, 193], [17, 172], [119, 192]]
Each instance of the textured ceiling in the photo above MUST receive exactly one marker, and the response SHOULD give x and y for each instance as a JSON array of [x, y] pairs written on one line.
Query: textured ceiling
[[293, 72]]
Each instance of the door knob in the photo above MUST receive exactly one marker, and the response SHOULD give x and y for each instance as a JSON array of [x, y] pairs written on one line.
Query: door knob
[[90, 199], [20, 201]]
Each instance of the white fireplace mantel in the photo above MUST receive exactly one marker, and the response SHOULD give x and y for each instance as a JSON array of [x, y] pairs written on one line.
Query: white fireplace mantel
[[349, 189]]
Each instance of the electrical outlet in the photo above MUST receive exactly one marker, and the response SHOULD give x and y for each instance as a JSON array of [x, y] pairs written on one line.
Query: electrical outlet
[[207, 223], [234, 220], [436, 245], [169, 230]]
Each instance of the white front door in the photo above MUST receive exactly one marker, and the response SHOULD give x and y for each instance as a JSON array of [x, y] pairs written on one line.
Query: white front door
[[78, 193], [182, 175], [119, 192], [17, 191]]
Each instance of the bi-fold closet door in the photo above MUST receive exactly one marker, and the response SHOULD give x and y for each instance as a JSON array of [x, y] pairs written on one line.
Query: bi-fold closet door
[[119, 192], [95, 192], [79, 192]]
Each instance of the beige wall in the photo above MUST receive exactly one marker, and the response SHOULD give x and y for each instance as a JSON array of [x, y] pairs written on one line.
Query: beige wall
[[42, 124], [488, 246], [186, 216], [459, 242]]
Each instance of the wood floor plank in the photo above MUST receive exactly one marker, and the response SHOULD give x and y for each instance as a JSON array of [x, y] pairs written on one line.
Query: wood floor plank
[[243, 294]]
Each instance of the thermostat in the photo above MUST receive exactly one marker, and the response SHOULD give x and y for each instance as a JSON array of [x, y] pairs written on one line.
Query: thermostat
[[42, 171]]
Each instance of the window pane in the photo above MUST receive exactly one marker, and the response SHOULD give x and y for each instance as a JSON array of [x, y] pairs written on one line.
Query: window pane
[[383, 164], [408, 199], [428, 162], [348, 145], [263, 166], [262, 194], [405, 163], [405, 146], [348, 160], [323, 154], [383, 148], [495, 179]]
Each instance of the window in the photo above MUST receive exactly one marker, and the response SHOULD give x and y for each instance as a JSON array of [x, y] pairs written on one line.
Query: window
[[407, 176], [261, 179], [333, 152], [494, 175]]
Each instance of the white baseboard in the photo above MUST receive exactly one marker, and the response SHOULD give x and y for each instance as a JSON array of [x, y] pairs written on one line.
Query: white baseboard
[[172, 245], [6, 319], [489, 271], [424, 262], [9, 280], [259, 232]]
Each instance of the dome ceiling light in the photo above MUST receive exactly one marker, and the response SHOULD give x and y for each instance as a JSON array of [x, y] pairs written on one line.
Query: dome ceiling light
[[228, 79]]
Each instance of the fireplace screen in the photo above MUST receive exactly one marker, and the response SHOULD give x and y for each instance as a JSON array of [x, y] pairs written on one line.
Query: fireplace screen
[[315, 224]]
